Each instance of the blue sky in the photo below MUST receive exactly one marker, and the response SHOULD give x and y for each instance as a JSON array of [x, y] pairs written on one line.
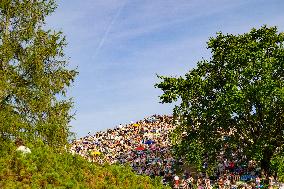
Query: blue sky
[[120, 45]]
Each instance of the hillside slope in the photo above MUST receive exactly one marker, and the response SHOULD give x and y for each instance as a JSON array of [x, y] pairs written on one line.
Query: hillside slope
[[50, 168]]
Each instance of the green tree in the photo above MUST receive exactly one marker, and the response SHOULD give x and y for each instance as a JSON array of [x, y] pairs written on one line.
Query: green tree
[[238, 92], [34, 74]]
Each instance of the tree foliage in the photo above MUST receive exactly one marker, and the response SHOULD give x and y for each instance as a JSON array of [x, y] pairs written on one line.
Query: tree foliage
[[238, 92], [33, 74]]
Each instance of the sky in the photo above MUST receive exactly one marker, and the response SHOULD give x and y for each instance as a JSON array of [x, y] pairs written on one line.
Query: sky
[[119, 46]]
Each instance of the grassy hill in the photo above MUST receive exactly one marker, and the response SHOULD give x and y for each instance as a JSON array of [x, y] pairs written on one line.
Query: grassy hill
[[53, 168]]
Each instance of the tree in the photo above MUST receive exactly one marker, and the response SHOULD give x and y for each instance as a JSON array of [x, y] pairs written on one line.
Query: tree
[[238, 94], [33, 74]]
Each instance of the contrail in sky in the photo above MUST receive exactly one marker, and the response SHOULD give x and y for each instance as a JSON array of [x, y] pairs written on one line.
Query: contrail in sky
[[109, 28]]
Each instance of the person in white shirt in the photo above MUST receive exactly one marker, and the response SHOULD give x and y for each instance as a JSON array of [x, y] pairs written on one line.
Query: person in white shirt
[[24, 149], [21, 147]]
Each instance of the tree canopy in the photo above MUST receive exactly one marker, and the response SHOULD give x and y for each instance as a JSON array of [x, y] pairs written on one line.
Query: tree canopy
[[34, 74], [238, 94]]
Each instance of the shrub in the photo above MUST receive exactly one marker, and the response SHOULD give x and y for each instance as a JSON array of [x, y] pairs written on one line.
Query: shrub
[[46, 167]]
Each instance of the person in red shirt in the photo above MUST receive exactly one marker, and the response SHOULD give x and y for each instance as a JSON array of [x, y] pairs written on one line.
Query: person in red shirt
[[176, 181], [232, 166]]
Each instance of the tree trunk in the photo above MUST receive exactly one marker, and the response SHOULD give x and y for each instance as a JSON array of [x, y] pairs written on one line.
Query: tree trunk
[[265, 162]]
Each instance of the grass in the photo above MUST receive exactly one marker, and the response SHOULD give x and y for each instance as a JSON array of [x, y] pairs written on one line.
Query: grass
[[46, 167]]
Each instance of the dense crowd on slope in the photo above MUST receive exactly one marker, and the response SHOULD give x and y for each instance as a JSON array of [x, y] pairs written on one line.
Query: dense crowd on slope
[[144, 145]]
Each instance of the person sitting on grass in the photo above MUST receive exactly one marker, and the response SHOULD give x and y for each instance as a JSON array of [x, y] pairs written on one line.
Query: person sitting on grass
[[21, 147]]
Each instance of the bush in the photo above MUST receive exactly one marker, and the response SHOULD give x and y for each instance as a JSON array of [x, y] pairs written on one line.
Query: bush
[[49, 168], [278, 166]]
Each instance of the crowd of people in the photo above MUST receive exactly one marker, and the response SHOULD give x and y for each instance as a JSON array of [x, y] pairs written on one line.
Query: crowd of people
[[231, 177], [225, 182], [146, 147], [233, 170]]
